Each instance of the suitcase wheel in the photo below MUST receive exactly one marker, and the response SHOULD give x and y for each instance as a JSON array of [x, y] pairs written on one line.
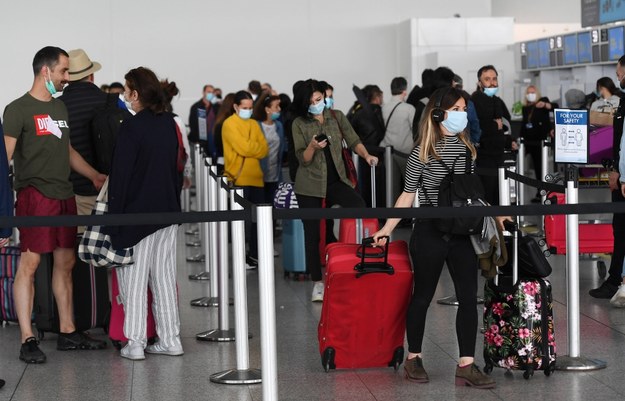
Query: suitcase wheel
[[601, 269], [327, 359], [550, 370], [528, 373], [117, 344], [398, 358], [547, 253], [488, 368]]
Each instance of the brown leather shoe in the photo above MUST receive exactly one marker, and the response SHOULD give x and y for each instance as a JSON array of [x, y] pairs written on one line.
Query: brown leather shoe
[[471, 375], [414, 370]]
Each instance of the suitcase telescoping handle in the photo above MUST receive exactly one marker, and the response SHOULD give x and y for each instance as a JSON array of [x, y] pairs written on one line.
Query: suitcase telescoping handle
[[513, 227], [361, 233], [369, 266]]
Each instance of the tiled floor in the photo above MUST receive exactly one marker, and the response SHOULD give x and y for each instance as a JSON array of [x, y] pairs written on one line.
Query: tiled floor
[[103, 375]]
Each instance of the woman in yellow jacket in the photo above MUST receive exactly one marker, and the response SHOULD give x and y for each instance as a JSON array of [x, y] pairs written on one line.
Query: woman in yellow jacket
[[244, 146]]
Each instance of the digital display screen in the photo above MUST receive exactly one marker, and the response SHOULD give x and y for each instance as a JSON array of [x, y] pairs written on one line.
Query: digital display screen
[[543, 53], [532, 55], [584, 50], [616, 47], [570, 49], [611, 11]]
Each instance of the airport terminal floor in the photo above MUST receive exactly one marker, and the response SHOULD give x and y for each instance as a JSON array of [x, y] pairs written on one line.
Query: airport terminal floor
[[104, 375]]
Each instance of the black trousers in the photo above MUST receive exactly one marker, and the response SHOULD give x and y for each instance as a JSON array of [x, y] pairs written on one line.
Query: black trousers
[[336, 194], [618, 227], [429, 250]]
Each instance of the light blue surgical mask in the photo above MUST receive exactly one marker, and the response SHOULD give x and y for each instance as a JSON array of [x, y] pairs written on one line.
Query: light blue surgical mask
[[275, 115], [245, 114], [316, 109], [329, 103], [49, 85], [490, 92], [210, 97], [455, 122]]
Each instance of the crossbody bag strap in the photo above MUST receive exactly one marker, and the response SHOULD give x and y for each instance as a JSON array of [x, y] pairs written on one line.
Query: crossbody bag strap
[[467, 165], [389, 116]]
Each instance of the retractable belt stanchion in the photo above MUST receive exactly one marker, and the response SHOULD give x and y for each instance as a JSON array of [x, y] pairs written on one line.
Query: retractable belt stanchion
[[544, 169], [200, 196], [266, 283], [224, 332], [504, 187], [202, 205], [196, 163], [520, 188], [574, 361], [242, 374], [210, 238], [388, 165]]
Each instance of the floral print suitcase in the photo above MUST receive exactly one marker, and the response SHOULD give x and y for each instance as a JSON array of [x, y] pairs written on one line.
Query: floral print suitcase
[[518, 326]]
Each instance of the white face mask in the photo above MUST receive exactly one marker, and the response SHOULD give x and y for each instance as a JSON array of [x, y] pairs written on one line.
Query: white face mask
[[531, 97], [127, 102]]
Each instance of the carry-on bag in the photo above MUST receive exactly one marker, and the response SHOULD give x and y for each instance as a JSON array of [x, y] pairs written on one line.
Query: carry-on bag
[[518, 322], [116, 326], [91, 297], [352, 231], [9, 260], [363, 317], [293, 248]]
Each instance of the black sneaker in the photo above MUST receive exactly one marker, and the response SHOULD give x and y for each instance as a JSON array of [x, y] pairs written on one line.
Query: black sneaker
[[78, 340], [604, 291], [30, 352]]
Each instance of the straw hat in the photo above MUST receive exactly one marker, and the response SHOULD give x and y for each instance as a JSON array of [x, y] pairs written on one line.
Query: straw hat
[[80, 65]]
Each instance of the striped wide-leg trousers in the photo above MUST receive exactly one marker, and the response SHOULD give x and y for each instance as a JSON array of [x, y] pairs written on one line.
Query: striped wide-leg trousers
[[155, 265]]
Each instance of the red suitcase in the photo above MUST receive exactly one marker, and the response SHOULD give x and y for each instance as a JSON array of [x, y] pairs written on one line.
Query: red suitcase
[[116, 325], [593, 238], [363, 318]]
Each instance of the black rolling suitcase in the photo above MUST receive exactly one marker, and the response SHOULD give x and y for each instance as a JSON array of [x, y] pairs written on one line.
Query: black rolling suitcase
[[92, 307], [518, 321]]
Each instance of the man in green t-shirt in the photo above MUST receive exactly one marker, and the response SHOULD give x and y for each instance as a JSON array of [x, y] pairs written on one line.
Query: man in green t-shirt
[[36, 135]]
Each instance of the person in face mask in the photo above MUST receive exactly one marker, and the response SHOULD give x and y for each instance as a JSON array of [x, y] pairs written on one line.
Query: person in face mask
[[607, 96], [491, 111], [267, 114], [244, 147], [536, 127], [443, 136], [204, 112], [317, 136]]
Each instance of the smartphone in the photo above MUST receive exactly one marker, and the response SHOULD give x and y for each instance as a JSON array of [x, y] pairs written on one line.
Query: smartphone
[[321, 138]]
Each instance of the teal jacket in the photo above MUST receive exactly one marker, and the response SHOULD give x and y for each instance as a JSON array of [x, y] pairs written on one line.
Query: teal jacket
[[311, 176]]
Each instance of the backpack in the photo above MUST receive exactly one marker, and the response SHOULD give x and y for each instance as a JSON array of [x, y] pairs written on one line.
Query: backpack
[[461, 190], [103, 131]]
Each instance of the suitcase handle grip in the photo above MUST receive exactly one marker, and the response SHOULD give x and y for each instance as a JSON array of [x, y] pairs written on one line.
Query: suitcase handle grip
[[365, 267]]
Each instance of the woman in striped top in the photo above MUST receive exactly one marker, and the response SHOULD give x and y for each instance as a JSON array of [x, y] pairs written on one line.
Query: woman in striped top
[[443, 137]]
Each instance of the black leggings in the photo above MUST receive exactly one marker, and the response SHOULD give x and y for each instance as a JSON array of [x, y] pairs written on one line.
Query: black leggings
[[429, 250], [337, 193]]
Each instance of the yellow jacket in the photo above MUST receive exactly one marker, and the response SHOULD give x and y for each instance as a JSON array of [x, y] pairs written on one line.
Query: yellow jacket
[[244, 146]]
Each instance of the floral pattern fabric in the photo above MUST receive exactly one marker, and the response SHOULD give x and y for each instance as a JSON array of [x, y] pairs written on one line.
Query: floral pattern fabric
[[513, 326]]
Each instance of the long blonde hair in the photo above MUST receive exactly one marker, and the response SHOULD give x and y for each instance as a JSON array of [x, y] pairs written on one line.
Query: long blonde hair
[[430, 132]]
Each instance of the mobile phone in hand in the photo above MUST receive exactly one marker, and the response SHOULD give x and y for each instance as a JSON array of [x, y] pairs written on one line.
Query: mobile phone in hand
[[321, 138]]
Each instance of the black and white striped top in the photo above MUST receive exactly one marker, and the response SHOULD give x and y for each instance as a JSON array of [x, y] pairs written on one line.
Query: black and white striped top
[[427, 177]]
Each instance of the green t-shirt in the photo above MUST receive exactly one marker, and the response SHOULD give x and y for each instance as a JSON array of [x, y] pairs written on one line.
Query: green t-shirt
[[41, 155]]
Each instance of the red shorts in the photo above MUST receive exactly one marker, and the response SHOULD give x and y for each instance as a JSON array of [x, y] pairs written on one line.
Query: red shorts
[[31, 202]]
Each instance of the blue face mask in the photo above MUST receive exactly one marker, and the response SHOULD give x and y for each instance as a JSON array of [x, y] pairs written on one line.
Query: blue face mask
[[210, 97], [329, 103], [49, 85], [245, 114], [490, 92], [316, 109], [455, 122], [275, 115]]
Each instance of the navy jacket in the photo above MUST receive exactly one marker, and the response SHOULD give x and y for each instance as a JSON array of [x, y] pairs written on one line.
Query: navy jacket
[[6, 192], [144, 176]]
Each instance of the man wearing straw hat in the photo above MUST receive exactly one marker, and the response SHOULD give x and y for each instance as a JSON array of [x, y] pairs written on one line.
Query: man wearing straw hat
[[82, 99]]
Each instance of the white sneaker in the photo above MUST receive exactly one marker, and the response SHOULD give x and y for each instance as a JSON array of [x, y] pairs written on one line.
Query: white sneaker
[[618, 300], [157, 348], [317, 293], [133, 351]]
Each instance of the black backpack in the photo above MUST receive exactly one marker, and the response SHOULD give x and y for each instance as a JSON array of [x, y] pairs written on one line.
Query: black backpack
[[461, 190], [103, 130]]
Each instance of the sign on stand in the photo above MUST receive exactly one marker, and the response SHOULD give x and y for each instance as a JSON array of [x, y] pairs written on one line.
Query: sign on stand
[[571, 136]]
